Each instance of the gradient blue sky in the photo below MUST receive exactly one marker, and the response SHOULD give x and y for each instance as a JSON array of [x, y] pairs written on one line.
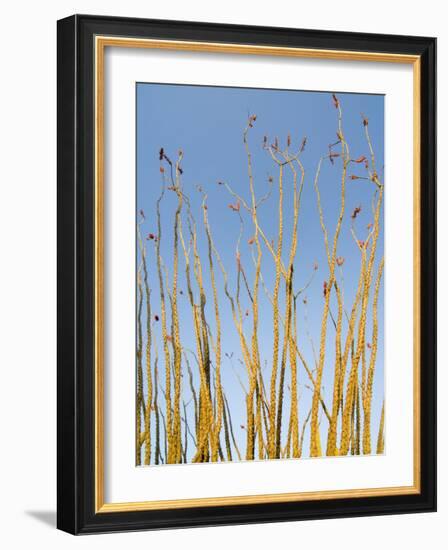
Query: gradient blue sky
[[207, 124]]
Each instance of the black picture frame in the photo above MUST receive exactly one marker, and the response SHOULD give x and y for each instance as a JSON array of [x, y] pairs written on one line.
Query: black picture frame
[[76, 396]]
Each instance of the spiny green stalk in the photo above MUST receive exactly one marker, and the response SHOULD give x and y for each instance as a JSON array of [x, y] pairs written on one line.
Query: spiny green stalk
[[272, 403], [139, 370], [200, 405], [339, 383], [302, 435], [236, 315], [147, 421], [366, 446], [231, 428], [156, 412], [331, 440], [218, 420], [314, 446], [380, 439], [227, 435], [185, 419], [358, 420], [165, 439], [168, 423], [205, 399], [203, 406], [193, 393], [254, 356], [175, 452], [283, 362], [291, 332], [258, 422], [361, 330], [294, 412]]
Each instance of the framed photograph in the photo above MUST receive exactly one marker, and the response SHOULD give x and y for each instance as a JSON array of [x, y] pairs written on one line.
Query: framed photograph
[[246, 274]]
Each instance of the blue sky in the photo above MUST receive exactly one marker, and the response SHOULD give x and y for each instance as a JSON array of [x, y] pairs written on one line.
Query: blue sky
[[207, 124]]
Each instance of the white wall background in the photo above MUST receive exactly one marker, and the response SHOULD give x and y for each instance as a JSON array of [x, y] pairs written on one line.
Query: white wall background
[[28, 271]]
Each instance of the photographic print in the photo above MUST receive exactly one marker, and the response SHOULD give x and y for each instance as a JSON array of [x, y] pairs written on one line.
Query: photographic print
[[246, 274], [259, 274]]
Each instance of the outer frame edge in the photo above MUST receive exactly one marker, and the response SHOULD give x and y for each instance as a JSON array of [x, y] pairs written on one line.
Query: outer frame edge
[[131, 521], [67, 491]]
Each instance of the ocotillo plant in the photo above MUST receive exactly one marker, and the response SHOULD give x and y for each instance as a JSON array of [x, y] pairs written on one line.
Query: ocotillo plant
[[186, 287]]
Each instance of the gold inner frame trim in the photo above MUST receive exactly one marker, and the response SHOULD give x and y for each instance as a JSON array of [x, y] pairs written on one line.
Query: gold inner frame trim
[[101, 42]]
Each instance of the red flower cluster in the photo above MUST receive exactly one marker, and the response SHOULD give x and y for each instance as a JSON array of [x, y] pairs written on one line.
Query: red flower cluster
[[355, 212], [360, 159], [333, 156], [162, 155]]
